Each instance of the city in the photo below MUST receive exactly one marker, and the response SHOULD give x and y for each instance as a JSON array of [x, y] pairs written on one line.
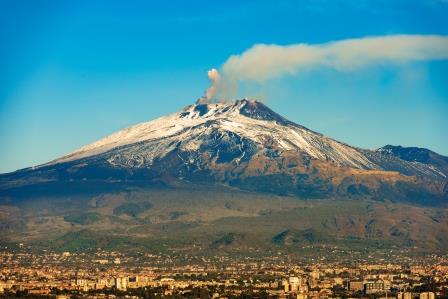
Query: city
[[104, 274]]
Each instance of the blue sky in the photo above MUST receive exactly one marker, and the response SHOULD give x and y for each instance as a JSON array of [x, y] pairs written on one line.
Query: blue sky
[[72, 72]]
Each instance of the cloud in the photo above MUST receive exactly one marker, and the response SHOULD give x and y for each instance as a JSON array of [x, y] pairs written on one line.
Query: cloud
[[266, 61]]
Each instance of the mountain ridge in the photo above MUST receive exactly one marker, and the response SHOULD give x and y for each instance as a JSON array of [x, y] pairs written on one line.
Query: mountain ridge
[[239, 144], [227, 175], [253, 109], [190, 117]]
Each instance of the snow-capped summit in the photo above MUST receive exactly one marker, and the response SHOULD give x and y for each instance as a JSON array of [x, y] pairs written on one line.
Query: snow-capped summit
[[194, 125], [242, 144]]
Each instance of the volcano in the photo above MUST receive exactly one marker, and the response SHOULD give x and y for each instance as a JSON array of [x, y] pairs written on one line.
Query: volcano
[[242, 147]]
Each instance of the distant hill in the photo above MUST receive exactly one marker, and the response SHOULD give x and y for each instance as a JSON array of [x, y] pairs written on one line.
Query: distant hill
[[417, 154]]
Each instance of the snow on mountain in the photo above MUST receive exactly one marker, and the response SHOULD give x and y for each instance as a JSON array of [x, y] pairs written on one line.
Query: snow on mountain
[[248, 119], [242, 145]]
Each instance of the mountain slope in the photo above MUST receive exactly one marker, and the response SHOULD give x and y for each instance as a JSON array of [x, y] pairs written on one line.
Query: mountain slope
[[417, 155], [201, 219], [228, 175], [250, 121], [245, 145]]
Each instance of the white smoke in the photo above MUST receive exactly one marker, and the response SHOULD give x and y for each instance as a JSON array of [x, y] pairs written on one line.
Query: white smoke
[[262, 62], [209, 95]]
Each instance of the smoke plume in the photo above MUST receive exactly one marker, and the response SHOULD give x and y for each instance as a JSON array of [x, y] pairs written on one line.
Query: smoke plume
[[262, 62], [209, 95]]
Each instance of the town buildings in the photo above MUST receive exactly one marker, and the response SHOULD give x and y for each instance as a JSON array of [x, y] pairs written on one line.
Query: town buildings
[[98, 275]]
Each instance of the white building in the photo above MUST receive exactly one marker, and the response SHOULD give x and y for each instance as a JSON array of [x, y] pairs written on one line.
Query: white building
[[405, 295], [427, 295], [294, 283], [121, 283]]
